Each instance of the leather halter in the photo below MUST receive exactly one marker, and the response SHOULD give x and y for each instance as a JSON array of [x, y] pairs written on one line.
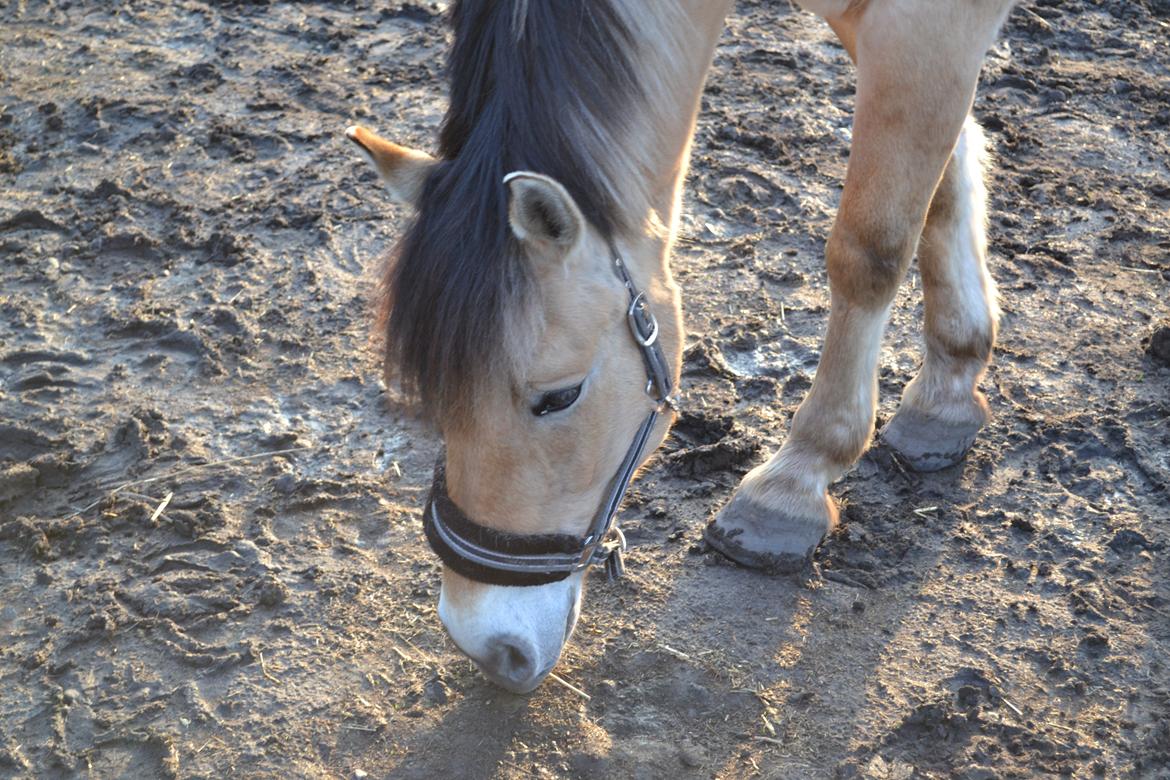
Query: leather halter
[[497, 557]]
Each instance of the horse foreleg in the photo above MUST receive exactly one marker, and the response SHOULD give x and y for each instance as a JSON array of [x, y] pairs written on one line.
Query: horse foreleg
[[918, 61]]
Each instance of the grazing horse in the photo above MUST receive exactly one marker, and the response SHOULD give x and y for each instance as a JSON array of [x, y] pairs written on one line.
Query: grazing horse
[[530, 305]]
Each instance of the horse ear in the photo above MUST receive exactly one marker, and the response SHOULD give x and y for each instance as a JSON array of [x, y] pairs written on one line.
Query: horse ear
[[404, 170], [541, 210]]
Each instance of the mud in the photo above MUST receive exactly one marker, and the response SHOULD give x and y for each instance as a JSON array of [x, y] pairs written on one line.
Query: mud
[[211, 563]]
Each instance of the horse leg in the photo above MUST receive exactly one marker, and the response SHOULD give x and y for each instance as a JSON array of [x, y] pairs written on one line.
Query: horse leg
[[942, 409], [917, 61]]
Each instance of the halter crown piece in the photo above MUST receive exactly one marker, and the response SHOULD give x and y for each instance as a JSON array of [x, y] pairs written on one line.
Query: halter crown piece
[[500, 558]]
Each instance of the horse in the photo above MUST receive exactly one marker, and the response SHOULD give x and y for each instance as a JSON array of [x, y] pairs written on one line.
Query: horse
[[529, 307]]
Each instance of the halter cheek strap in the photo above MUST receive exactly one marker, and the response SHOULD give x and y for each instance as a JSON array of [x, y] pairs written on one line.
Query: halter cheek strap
[[496, 557]]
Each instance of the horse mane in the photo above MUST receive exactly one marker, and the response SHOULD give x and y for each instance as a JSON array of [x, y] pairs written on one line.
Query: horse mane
[[540, 85]]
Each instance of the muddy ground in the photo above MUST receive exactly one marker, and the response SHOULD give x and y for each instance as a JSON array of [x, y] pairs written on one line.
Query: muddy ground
[[211, 563]]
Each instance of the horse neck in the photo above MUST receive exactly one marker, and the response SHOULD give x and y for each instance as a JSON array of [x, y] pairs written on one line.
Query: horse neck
[[676, 43]]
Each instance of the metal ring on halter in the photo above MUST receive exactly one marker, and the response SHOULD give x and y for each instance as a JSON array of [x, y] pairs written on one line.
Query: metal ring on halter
[[638, 307]]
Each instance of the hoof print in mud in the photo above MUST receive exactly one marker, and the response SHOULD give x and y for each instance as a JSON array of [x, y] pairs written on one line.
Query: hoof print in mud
[[706, 445]]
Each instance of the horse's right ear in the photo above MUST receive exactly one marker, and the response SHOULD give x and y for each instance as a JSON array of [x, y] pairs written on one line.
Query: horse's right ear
[[404, 170], [541, 210]]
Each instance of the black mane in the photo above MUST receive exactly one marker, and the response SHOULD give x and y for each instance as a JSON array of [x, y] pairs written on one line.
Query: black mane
[[526, 76]]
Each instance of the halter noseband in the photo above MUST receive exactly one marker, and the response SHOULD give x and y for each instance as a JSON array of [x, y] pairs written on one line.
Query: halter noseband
[[500, 558]]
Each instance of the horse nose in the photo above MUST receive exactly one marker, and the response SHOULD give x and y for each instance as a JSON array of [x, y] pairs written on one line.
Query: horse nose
[[511, 662]]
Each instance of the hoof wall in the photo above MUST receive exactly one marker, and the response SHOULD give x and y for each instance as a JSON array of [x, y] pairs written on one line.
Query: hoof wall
[[925, 443], [755, 536]]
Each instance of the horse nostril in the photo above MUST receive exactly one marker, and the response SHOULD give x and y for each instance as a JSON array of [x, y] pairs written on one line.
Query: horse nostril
[[517, 661], [512, 660]]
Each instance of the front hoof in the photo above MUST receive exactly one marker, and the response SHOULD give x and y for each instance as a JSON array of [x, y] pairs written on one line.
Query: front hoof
[[926, 443], [775, 541]]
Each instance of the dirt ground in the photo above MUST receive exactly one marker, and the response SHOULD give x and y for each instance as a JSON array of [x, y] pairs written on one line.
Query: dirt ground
[[211, 563]]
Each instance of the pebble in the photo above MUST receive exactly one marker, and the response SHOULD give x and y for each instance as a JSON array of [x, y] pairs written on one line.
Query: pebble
[[691, 755], [272, 592], [435, 691], [1159, 347]]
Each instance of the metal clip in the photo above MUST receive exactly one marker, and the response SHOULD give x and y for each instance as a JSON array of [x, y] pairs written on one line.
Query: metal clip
[[615, 567]]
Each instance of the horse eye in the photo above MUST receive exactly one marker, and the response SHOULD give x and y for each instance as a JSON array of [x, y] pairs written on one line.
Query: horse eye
[[556, 401]]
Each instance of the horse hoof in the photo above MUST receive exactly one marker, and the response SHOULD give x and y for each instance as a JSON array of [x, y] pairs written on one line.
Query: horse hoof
[[774, 541], [927, 443]]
